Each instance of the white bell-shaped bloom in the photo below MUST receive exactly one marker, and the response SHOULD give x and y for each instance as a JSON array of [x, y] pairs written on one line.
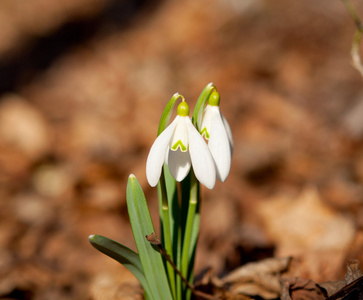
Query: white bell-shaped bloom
[[181, 146], [217, 132]]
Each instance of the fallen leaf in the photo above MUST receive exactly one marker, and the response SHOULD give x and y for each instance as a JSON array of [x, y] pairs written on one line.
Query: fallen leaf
[[353, 271], [119, 286], [353, 291], [307, 229], [301, 289], [255, 279], [352, 286]]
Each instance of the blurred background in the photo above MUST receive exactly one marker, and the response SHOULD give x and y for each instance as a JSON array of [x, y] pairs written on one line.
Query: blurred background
[[82, 87]]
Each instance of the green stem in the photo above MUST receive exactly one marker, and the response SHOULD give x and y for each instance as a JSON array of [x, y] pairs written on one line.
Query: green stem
[[166, 231], [153, 240], [187, 245], [355, 51], [179, 287], [353, 13], [178, 264]]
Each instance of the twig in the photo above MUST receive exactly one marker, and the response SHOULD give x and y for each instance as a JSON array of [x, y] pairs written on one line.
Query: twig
[[154, 241], [355, 285]]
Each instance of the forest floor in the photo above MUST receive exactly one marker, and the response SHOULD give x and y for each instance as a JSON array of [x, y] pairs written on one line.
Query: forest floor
[[82, 87]]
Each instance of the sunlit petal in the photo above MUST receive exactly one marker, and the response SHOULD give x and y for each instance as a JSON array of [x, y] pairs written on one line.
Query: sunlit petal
[[229, 133], [179, 139], [206, 123], [202, 161], [156, 157], [179, 164], [219, 145]]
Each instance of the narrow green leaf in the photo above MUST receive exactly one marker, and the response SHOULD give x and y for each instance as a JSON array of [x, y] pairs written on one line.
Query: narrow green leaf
[[123, 255], [199, 106], [142, 225], [172, 196], [165, 117]]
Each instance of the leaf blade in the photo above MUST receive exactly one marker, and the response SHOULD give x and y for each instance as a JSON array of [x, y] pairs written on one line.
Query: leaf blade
[[123, 255], [142, 225]]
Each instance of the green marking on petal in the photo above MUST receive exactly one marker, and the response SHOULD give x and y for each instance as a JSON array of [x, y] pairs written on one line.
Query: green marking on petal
[[177, 145], [205, 133]]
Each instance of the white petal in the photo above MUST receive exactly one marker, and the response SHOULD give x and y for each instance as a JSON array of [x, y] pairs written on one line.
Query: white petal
[[180, 136], [219, 145], [179, 164], [229, 133], [206, 122], [156, 157], [202, 161]]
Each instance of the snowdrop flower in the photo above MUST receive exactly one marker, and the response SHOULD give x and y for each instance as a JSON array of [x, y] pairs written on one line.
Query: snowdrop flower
[[217, 132], [181, 146]]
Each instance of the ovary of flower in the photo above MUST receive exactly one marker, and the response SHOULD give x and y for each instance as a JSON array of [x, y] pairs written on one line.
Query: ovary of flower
[[217, 132], [181, 146]]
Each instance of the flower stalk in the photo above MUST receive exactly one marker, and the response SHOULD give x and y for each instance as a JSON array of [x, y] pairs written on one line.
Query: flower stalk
[[166, 232], [151, 238], [188, 245]]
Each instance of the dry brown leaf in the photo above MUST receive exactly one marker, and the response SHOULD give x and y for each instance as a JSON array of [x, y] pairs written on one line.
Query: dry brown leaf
[[352, 291], [332, 287], [251, 270], [305, 223], [353, 271], [255, 279], [307, 229], [350, 287], [119, 286], [301, 289], [254, 289]]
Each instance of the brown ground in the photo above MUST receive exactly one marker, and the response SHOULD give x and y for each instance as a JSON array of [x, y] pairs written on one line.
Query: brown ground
[[82, 86]]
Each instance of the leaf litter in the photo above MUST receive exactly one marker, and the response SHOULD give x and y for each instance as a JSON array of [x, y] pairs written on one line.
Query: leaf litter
[[72, 130]]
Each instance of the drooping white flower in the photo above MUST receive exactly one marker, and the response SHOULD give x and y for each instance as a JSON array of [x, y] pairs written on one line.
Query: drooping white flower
[[181, 146], [217, 132]]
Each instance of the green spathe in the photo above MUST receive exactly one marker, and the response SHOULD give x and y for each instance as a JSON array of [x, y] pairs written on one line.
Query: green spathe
[[165, 117]]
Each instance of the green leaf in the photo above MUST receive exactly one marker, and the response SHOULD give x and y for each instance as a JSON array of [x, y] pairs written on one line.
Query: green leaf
[[123, 255], [150, 257], [199, 106], [174, 209], [165, 117]]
